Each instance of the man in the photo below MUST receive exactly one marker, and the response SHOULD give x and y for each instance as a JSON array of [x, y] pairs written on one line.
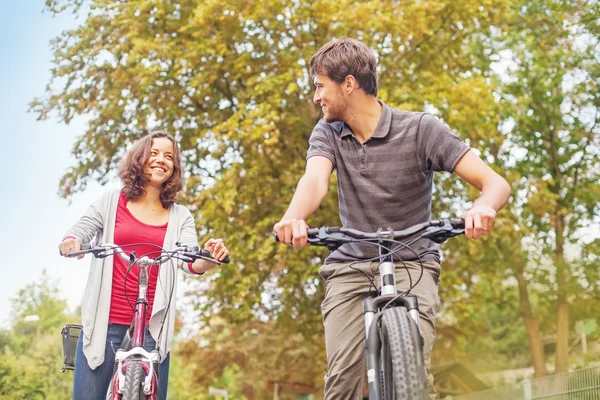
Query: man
[[385, 159]]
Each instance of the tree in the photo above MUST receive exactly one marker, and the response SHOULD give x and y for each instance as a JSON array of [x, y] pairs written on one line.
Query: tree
[[553, 130], [31, 354], [40, 300], [237, 356], [546, 98]]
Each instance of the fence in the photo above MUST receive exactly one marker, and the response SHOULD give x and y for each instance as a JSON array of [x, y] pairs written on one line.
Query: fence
[[582, 384]]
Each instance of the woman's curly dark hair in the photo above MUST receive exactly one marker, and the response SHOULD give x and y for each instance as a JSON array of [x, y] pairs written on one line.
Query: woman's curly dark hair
[[131, 170]]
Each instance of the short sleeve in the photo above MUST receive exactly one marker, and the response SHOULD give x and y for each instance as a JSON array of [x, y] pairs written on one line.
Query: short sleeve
[[439, 147], [320, 143]]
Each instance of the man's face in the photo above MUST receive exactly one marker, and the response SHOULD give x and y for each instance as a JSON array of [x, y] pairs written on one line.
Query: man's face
[[329, 96]]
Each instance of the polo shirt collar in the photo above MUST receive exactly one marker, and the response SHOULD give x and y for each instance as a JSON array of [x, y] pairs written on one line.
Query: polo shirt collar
[[383, 127]]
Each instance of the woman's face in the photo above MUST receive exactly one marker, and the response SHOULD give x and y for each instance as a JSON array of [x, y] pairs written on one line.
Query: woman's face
[[159, 165]]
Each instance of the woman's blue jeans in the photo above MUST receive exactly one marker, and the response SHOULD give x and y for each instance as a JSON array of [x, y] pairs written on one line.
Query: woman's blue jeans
[[92, 384]]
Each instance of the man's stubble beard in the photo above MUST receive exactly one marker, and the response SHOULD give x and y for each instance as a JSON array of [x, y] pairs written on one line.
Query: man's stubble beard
[[335, 114]]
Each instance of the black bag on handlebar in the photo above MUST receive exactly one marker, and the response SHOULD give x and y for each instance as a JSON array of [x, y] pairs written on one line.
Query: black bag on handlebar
[[70, 336]]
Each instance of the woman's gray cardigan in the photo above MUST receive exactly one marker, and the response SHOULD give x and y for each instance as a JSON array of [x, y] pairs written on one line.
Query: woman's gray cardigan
[[100, 219]]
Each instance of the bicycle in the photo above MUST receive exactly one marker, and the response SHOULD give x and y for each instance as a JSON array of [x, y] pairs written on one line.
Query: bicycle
[[393, 343], [135, 373]]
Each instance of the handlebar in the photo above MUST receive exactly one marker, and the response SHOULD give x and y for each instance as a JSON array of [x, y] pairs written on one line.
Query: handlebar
[[187, 253], [437, 230]]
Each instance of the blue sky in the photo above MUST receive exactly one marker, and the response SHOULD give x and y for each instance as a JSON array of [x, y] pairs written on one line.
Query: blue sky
[[35, 155]]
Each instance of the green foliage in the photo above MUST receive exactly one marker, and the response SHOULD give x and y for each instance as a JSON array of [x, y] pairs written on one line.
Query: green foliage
[[552, 100], [39, 299], [254, 355], [35, 374], [31, 352], [505, 344], [546, 94]]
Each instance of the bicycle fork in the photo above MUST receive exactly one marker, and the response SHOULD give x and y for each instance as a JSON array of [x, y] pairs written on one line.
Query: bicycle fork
[[371, 307], [150, 360]]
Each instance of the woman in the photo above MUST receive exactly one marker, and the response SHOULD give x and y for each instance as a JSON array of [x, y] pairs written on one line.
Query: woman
[[143, 211]]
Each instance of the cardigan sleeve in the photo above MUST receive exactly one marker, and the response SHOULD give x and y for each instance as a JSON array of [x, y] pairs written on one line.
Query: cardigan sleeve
[[188, 236], [92, 222]]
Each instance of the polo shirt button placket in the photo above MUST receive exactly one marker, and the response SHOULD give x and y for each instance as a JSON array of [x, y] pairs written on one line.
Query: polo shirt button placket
[[363, 161]]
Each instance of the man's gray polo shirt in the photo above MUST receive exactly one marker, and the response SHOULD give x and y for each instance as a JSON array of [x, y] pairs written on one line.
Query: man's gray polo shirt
[[387, 181]]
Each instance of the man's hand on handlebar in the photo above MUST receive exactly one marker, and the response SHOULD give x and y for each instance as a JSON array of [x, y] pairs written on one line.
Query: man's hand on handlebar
[[70, 245], [292, 231], [479, 220]]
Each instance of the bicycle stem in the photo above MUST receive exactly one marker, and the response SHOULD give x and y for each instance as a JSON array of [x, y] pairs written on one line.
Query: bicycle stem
[[387, 269], [387, 276], [141, 304]]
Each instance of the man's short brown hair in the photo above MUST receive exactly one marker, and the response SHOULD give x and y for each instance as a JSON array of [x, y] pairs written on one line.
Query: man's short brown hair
[[342, 57]]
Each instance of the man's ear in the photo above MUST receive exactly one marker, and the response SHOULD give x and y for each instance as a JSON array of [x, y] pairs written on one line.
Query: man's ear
[[350, 84]]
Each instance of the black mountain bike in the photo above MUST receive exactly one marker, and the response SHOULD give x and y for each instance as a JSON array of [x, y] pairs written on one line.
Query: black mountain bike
[[393, 343]]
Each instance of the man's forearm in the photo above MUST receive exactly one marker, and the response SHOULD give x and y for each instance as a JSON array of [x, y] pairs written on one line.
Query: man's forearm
[[495, 193], [307, 198]]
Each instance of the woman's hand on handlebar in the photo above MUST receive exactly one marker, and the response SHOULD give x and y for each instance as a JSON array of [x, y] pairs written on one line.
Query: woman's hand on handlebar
[[217, 249], [292, 231], [70, 245]]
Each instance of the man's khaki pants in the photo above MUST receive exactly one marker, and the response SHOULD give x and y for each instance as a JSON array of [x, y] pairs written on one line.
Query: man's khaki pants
[[347, 287]]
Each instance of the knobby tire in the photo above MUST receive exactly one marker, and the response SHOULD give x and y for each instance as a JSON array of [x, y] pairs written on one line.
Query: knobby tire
[[134, 378], [402, 351]]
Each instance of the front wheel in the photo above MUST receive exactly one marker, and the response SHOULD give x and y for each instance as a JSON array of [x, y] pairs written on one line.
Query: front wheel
[[134, 380], [111, 394], [402, 367]]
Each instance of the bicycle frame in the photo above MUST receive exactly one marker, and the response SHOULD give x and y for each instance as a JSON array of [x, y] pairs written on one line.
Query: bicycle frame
[[148, 359], [371, 307]]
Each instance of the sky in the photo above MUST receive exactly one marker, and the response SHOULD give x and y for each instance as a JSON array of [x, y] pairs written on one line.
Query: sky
[[36, 154]]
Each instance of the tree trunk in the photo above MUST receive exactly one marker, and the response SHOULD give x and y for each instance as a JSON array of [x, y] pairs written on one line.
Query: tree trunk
[[562, 271], [562, 307], [562, 320], [536, 344]]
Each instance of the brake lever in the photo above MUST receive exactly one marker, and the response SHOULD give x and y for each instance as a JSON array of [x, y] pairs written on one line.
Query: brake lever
[[183, 257], [96, 252], [331, 245], [442, 233], [327, 237], [104, 251], [441, 237]]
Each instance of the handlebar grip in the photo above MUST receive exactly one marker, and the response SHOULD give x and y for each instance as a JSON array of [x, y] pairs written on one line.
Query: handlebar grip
[[83, 247], [206, 253], [457, 223], [313, 232]]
